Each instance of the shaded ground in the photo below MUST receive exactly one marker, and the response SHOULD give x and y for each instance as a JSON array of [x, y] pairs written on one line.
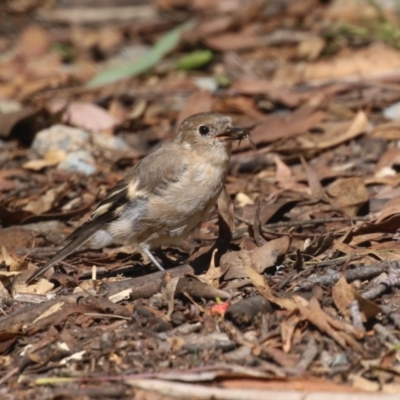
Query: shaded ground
[[291, 284]]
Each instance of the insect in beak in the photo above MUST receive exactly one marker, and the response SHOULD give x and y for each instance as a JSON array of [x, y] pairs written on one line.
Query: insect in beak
[[231, 133]]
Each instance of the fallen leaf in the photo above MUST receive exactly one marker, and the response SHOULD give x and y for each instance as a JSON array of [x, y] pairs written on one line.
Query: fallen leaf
[[348, 195], [166, 44], [89, 117], [51, 158], [311, 48], [46, 201], [362, 63], [34, 42], [392, 207], [251, 86], [288, 326], [51, 310], [283, 172], [168, 294], [344, 294], [275, 127], [317, 191], [200, 101], [263, 287], [42, 286], [335, 137], [233, 41], [16, 237], [267, 255], [339, 331]]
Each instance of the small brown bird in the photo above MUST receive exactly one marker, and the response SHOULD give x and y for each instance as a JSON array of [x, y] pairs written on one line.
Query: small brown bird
[[165, 195]]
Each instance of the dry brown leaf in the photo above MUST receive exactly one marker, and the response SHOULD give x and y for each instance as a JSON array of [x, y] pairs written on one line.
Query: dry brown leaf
[[240, 104], [5, 257], [51, 158], [288, 326], [233, 41], [277, 127], [42, 286], [89, 116], [46, 202], [310, 49], [349, 65], [109, 38], [349, 195], [364, 255], [267, 255], [317, 191], [333, 138], [388, 131], [34, 42], [318, 318], [343, 295], [251, 86], [262, 286], [242, 199], [389, 158], [51, 310], [211, 277], [14, 263], [200, 101], [363, 384], [283, 172], [16, 237], [357, 240], [343, 333], [168, 294], [387, 251], [392, 207]]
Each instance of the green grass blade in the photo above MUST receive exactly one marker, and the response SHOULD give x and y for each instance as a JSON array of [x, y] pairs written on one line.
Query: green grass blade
[[166, 44]]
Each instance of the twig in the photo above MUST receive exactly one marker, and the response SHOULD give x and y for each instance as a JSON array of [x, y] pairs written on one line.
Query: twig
[[316, 221], [362, 272], [308, 355], [385, 335], [356, 314], [392, 279]]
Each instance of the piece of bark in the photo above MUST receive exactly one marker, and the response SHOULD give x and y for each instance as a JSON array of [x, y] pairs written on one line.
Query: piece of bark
[[144, 286], [363, 272]]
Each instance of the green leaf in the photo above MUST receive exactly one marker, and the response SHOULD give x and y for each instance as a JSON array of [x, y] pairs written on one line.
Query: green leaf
[[194, 60], [165, 45], [170, 40]]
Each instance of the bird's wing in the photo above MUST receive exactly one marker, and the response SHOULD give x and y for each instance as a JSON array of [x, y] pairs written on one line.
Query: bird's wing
[[148, 177]]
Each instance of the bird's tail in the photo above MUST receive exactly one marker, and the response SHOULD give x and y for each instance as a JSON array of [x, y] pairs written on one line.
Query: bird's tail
[[65, 252]]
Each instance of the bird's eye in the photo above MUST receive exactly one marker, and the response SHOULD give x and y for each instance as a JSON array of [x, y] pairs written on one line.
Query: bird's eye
[[204, 130]]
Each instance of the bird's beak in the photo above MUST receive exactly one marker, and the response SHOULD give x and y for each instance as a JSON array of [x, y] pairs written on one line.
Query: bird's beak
[[231, 133]]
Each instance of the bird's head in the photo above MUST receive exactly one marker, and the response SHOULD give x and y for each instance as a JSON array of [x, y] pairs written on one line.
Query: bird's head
[[209, 132]]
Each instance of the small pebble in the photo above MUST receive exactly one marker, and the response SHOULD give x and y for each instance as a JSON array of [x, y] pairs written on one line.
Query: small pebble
[[60, 137], [79, 161]]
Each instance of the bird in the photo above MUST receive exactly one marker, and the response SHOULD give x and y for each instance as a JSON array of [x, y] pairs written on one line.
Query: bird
[[165, 195]]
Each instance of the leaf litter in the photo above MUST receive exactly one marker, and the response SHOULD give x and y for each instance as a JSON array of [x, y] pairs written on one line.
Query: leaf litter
[[292, 281]]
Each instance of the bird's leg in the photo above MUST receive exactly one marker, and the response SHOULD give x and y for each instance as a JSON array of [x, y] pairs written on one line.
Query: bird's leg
[[164, 259], [146, 251]]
